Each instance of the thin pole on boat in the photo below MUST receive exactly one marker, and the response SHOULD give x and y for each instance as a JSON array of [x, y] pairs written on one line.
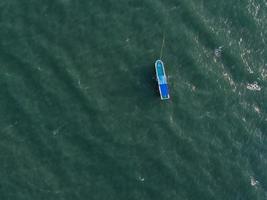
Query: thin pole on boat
[[162, 44]]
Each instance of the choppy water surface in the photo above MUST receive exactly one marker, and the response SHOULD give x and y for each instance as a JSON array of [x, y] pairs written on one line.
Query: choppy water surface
[[81, 117]]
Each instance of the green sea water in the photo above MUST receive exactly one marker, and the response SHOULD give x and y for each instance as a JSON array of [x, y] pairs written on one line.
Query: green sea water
[[81, 117]]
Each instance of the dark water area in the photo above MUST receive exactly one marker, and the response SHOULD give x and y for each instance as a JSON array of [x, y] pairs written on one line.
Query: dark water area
[[81, 117]]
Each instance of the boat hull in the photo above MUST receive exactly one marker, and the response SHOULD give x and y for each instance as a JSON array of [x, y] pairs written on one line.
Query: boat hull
[[162, 80]]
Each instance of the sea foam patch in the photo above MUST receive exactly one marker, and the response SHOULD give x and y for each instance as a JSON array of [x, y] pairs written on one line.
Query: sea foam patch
[[253, 86], [253, 181]]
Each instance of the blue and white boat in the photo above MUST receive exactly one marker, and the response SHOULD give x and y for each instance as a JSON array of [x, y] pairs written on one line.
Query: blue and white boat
[[162, 80]]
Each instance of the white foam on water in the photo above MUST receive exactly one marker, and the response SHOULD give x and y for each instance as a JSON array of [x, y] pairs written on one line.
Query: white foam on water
[[245, 55], [218, 51], [253, 9], [253, 86], [240, 41], [140, 178], [193, 88], [231, 81], [253, 181], [256, 108]]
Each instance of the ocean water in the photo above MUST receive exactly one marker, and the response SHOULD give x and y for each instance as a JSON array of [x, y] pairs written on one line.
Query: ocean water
[[81, 117]]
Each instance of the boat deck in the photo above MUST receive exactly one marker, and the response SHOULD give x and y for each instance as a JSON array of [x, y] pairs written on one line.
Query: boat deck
[[162, 80]]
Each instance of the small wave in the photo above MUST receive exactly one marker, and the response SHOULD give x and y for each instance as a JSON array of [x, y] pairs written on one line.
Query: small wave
[[264, 73]]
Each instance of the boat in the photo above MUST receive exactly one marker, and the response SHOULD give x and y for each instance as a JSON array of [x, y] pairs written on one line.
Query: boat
[[162, 80]]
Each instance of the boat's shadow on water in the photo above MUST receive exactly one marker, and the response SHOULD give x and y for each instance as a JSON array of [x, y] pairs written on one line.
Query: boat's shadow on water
[[150, 81]]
